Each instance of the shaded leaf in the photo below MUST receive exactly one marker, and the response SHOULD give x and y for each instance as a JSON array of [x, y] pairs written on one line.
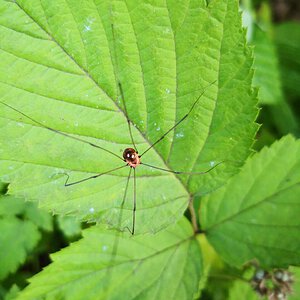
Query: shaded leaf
[[18, 237], [242, 290], [11, 206], [255, 216], [167, 265], [267, 74], [287, 37], [69, 226], [296, 285], [12, 293]]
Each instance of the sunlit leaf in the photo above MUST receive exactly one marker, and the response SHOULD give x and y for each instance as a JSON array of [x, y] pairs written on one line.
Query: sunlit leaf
[[167, 265], [256, 215], [242, 290], [60, 62], [296, 285]]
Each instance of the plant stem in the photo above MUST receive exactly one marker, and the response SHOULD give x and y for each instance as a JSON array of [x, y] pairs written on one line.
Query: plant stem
[[193, 215]]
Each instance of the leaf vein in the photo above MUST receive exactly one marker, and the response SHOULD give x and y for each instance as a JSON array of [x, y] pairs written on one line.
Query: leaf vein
[[40, 63]]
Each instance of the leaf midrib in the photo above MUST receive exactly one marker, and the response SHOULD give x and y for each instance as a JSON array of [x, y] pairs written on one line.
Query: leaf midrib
[[55, 99], [42, 64], [140, 260], [214, 226]]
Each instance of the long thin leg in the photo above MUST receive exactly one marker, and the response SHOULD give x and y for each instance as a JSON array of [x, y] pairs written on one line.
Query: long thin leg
[[181, 120], [125, 192], [134, 202], [91, 177], [117, 234], [121, 89], [124, 199], [179, 172], [61, 133], [126, 114]]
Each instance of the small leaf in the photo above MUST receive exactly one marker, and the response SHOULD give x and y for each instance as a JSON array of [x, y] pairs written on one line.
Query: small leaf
[[69, 226], [296, 285], [11, 206], [39, 217], [12, 293], [256, 215], [167, 265]]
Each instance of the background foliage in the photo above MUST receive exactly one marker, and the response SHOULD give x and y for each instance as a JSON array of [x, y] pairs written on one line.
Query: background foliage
[[60, 63]]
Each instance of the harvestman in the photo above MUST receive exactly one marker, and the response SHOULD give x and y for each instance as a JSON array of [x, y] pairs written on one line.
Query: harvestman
[[130, 155]]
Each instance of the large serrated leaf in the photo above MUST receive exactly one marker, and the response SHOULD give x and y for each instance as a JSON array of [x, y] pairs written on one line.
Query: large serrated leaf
[[256, 215], [60, 62], [165, 266]]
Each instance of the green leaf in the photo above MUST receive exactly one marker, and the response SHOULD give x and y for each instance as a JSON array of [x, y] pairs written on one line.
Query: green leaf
[[69, 226], [284, 118], [267, 75], [60, 63], [20, 225], [242, 290], [10, 206], [167, 265], [39, 217], [287, 37], [296, 285], [12, 293], [256, 215], [18, 237]]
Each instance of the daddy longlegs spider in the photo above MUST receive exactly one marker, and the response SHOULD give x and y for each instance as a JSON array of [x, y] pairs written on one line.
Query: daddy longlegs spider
[[131, 156]]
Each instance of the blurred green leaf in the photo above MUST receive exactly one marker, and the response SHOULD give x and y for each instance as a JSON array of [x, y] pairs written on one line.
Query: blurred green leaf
[[12, 293], [296, 285], [267, 75], [242, 290], [264, 138], [284, 119], [57, 65], [69, 226], [167, 265], [255, 216], [18, 237], [11, 206], [287, 37], [20, 225], [39, 217]]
